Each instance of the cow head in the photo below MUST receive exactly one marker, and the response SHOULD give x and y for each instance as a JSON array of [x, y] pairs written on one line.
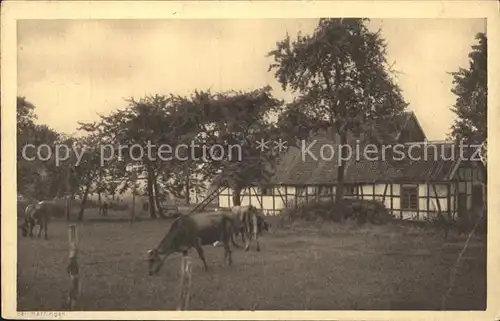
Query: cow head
[[27, 226], [155, 261], [24, 229], [261, 221]]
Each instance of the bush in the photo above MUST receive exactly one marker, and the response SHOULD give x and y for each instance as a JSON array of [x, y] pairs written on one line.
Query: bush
[[361, 211], [463, 223], [118, 207], [472, 218], [91, 204], [364, 211]]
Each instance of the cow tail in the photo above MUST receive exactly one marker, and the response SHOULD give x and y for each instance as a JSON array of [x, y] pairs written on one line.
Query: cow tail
[[234, 242], [255, 225], [246, 223]]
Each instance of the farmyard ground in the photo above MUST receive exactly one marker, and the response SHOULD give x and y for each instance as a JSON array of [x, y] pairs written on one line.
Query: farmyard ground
[[301, 266]]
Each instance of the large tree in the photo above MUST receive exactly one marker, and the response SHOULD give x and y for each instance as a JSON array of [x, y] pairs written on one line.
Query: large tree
[[88, 170], [38, 176], [151, 122], [342, 80], [471, 90], [237, 121]]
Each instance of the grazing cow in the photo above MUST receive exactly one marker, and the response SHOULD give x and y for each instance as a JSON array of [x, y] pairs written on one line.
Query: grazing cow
[[249, 223], [189, 231], [26, 225], [36, 214]]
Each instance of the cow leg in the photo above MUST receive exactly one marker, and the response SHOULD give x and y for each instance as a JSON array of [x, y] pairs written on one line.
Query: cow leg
[[45, 228], [242, 232], [255, 231], [227, 235], [246, 230], [227, 252], [39, 230], [248, 241], [199, 249]]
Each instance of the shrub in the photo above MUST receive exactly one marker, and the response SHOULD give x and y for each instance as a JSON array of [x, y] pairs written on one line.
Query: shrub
[[364, 211], [463, 223], [361, 211], [118, 207], [466, 222]]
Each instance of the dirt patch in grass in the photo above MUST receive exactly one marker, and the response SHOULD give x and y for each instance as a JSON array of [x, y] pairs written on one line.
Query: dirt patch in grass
[[302, 266]]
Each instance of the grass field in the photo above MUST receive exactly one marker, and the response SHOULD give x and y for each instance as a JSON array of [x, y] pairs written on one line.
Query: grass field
[[300, 266]]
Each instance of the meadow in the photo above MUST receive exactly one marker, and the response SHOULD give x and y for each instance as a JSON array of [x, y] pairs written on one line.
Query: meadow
[[302, 265]]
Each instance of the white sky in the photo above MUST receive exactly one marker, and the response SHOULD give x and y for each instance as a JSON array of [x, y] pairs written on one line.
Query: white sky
[[73, 69]]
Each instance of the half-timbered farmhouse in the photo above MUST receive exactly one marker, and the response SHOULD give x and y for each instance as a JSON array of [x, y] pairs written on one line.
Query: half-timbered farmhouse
[[434, 179]]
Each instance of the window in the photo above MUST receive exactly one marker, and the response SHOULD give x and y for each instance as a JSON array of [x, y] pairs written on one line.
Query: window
[[409, 197]]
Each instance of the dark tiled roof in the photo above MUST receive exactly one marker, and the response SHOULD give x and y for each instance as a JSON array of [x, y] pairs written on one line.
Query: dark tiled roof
[[436, 165], [291, 169]]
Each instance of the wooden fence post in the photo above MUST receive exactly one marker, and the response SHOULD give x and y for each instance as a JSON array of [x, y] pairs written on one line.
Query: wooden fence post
[[68, 194], [67, 207], [185, 283], [73, 267], [134, 191]]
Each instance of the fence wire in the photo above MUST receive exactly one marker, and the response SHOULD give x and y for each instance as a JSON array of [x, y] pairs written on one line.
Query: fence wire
[[454, 270]]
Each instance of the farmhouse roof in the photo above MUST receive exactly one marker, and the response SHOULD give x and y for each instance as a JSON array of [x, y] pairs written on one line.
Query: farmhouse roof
[[435, 161], [437, 164]]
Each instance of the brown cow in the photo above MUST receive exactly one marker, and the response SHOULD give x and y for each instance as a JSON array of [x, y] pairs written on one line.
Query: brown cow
[[249, 223], [37, 215], [189, 231]]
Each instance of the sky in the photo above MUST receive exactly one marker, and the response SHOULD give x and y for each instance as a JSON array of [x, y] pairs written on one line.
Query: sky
[[73, 70]]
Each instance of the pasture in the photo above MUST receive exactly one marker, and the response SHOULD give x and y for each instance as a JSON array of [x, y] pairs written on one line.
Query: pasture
[[301, 266]]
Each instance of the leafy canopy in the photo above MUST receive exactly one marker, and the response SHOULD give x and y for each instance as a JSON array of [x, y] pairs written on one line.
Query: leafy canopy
[[342, 77], [471, 89]]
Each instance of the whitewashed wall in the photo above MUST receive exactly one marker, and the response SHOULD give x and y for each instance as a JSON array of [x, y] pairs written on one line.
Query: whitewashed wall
[[426, 196]]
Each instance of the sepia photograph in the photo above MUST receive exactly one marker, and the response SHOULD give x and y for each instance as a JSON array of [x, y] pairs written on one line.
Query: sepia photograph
[[189, 163]]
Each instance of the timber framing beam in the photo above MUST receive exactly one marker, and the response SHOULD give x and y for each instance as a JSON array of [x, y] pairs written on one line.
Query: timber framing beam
[[385, 192], [437, 199]]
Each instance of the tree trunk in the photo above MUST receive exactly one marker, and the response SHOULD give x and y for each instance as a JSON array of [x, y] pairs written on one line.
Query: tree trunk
[[99, 201], [187, 188], [339, 193], [69, 194], [237, 196], [84, 200], [132, 212], [152, 207], [157, 197]]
